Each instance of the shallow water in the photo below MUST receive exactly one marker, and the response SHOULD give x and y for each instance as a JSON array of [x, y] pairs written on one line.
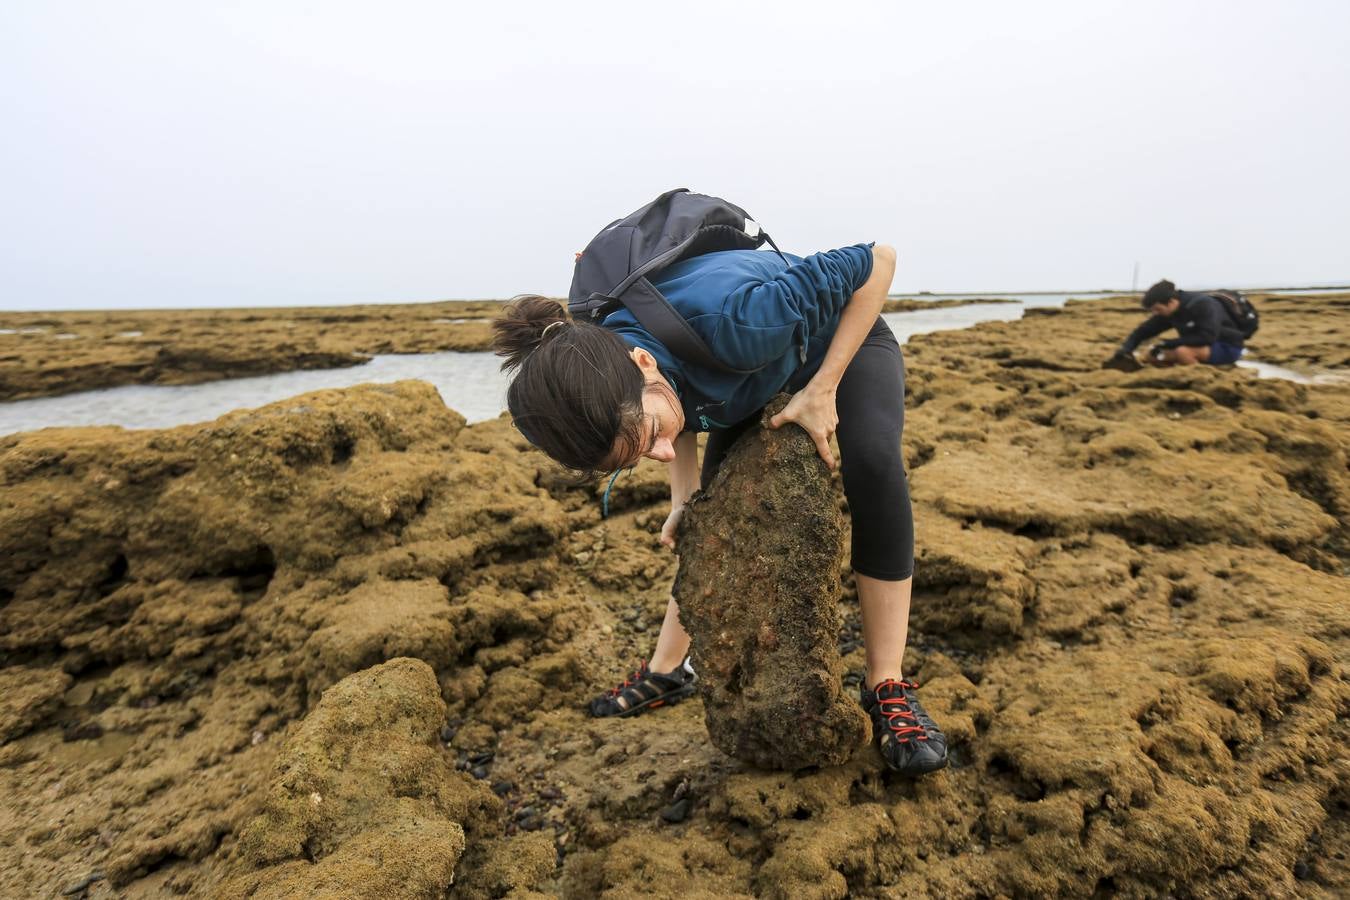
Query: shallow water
[[470, 383], [1266, 370], [923, 321], [1027, 300]]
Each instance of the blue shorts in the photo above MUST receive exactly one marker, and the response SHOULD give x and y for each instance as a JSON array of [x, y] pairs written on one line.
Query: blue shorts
[[1221, 354]]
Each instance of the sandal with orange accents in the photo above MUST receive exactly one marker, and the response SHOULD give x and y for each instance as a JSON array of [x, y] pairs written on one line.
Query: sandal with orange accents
[[644, 690], [909, 740]]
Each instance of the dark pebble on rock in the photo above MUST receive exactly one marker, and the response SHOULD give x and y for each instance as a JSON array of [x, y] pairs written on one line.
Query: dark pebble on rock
[[479, 772], [1301, 870], [502, 788], [677, 811], [448, 733], [533, 823], [550, 793], [84, 731], [483, 758]]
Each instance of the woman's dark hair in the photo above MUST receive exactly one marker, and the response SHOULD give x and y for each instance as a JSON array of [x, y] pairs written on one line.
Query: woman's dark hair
[[1162, 292], [576, 390]]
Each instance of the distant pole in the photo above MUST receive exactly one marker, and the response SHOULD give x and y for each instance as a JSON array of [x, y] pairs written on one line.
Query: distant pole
[[1134, 282]]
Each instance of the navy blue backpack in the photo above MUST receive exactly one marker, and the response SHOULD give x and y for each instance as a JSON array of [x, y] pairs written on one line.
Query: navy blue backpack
[[613, 270]]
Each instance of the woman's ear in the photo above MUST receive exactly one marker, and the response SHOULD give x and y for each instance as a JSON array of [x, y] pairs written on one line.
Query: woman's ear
[[644, 360]]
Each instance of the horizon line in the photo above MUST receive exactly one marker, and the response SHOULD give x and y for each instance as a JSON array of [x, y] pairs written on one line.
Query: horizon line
[[1094, 292]]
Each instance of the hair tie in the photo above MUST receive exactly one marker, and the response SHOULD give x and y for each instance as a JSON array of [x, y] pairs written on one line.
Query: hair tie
[[550, 327]]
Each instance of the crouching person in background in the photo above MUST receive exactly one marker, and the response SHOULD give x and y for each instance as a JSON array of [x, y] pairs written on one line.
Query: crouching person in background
[[1207, 328]]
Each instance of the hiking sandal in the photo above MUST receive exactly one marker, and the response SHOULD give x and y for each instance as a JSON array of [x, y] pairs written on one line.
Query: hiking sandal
[[644, 690], [909, 740]]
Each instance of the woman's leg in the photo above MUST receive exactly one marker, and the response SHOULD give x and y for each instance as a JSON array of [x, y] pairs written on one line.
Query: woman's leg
[[672, 644], [885, 622], [871, 405]]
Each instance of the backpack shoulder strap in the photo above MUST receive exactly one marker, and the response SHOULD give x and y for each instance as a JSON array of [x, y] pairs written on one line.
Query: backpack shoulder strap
[[655, 314]]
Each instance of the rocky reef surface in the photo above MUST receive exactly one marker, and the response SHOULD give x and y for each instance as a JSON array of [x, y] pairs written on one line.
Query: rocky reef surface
[[47, 353], [1130, 618]]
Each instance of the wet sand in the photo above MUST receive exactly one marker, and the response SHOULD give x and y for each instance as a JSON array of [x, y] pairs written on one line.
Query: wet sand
[[1130, 617]]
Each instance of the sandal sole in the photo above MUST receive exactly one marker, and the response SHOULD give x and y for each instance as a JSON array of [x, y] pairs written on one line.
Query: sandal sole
[[669, 699]]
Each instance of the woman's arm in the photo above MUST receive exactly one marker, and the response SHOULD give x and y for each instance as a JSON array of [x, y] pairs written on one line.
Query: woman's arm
[[813, 407], [683, 482], [761, 321]]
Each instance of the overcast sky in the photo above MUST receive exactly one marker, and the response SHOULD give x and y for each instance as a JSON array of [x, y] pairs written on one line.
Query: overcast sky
[[174, 154]]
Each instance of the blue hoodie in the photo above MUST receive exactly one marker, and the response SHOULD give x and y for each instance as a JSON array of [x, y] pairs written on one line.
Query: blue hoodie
[[752, 310]]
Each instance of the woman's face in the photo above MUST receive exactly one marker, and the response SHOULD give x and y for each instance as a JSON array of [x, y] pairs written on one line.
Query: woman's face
[[662, 418]]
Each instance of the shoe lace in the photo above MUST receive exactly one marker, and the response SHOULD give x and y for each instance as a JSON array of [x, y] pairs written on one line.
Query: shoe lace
[[900, 719], [632, 679]]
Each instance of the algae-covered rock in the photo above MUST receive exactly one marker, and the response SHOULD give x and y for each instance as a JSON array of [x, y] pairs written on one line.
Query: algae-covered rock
[[1129, 617], [171, 600], [758, 589], [26, 695], [360, 781], [107, 348]]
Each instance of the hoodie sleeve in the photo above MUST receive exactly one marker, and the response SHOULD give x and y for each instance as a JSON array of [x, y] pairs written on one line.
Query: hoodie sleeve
[[1150, 327], [763, 320]]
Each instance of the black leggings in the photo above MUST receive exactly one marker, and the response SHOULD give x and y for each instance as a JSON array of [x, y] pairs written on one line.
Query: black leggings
[[871, 406]]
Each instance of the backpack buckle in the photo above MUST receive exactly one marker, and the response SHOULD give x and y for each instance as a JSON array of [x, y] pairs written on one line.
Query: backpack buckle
[[597, 304]]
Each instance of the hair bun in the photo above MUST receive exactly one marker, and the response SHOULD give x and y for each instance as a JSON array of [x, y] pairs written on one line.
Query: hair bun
[[520, 328]]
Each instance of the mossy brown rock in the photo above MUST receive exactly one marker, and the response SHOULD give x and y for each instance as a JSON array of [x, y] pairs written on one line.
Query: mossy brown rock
[[170, 601], [363, 802], [48, 353], [1129, 617], [758, 589], [27, 696]]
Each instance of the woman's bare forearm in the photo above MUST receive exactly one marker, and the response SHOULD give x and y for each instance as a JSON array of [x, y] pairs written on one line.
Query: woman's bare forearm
[[684, 469]]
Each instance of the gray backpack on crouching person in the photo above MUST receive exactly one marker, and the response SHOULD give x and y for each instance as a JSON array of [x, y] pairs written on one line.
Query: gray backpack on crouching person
[[613, 270], [1240, 310]]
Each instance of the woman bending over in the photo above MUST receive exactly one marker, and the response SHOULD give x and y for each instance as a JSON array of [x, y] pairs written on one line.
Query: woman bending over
[[598, 398]]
